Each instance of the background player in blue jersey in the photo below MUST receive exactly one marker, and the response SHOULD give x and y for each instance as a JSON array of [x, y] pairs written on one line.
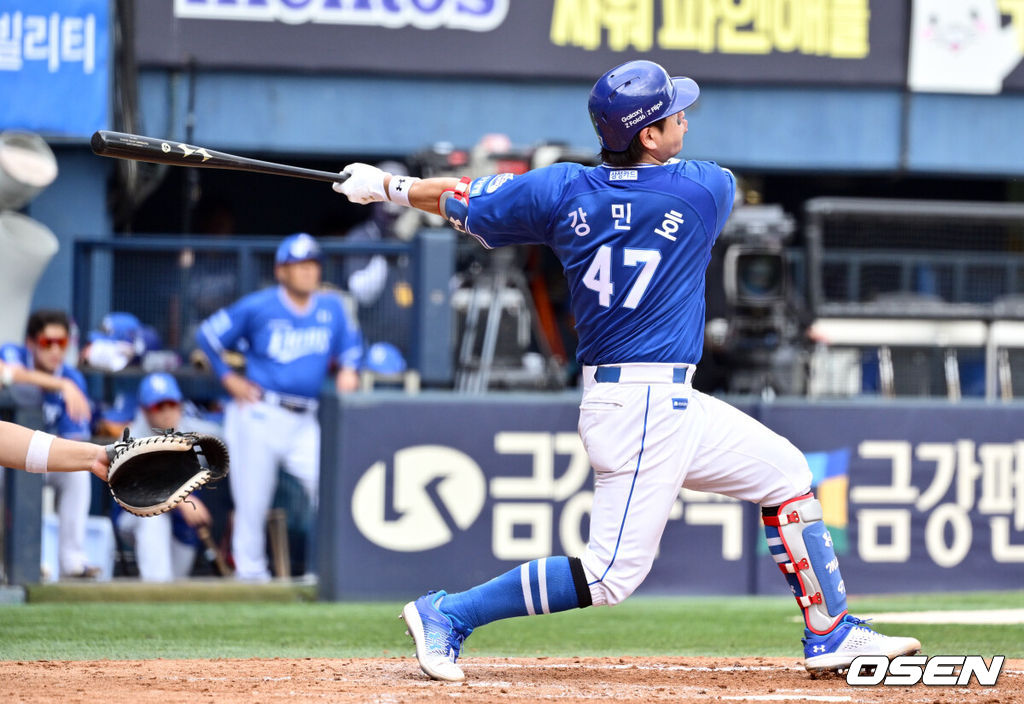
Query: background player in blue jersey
[[292, 335], [634, 236], [67, 415]]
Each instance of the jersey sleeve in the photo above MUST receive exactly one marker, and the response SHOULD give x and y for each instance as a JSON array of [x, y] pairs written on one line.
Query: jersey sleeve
[[719, 182], [507, 209], [66, 427], [12, 354], [222, 330]]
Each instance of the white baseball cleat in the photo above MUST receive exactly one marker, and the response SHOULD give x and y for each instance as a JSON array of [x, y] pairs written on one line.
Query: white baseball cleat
[[437, 642], [834, 651]]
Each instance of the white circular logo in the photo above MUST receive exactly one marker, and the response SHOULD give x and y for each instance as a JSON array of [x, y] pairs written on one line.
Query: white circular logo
[[420, 525]]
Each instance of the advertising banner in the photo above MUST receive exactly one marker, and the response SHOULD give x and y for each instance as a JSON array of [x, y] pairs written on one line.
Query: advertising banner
[[54, 66], [959, 47], [801, 41], [443, 492], [429, 495], [931, 497]]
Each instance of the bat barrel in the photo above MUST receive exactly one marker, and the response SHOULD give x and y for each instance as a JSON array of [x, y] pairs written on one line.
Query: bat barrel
[[122, 145]]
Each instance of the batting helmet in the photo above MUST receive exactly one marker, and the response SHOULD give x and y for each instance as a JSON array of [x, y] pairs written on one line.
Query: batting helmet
[[297, 248], [632, 96]]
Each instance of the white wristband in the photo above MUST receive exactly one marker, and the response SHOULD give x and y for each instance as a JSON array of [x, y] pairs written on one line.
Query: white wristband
[[398, 189], [6, 374], [38, 455]]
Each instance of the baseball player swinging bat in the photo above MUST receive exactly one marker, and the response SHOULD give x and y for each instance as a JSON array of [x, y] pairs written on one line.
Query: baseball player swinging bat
[[122, 145]]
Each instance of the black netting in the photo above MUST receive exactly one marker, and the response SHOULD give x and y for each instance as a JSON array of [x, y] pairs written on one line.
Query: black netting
[[174, 291]]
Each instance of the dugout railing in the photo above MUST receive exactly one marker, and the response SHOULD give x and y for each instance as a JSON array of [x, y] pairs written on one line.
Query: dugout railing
[[916, 298]]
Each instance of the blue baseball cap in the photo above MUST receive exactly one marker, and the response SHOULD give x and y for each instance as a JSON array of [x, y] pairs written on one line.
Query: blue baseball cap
[[157, 387], [384, 358], [121, 326], [300, 247]]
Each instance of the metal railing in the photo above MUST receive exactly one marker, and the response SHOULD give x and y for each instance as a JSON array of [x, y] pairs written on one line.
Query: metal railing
[[910, 258], [916, 297]]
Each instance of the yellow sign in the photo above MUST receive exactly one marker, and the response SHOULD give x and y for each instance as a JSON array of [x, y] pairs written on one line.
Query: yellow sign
[[833, 28], [1015, 9]]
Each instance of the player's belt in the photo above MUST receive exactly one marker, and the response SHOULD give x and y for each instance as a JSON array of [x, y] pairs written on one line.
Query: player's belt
[[645, 374], [295, 404]]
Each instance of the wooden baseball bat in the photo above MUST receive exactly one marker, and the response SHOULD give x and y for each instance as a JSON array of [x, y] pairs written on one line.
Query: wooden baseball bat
[[277, 525], [213, 553], [122, 145]]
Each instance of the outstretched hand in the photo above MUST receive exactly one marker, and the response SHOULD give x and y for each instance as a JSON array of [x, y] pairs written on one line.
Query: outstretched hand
[[364, 185], [100, 463]]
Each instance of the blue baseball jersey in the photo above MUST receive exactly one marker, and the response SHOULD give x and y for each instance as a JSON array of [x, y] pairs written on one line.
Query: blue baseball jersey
[[634, 243], [55, 412], [286, 350]]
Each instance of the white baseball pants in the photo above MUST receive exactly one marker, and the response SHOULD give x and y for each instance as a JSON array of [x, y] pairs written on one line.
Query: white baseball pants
[[73, 494], [260, 437], [647, 437], [159, 556]]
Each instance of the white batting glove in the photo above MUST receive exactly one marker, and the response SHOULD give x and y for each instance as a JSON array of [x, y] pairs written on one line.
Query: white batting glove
[[365, 184]]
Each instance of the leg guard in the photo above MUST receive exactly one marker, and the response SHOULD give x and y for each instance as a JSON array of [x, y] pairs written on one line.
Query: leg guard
[[802, 547]]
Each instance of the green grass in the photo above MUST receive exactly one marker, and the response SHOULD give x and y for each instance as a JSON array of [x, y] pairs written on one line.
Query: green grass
[[716, 626]]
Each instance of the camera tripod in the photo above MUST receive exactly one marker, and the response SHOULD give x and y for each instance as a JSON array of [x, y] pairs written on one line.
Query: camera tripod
[[501, 283]]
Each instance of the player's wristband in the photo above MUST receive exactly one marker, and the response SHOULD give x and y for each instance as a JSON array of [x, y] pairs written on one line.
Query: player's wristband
[[398, 189], [6, 375], [38, 456]]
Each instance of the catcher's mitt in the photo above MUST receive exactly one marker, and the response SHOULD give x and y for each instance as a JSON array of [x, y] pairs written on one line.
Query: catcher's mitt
[[148, 476]]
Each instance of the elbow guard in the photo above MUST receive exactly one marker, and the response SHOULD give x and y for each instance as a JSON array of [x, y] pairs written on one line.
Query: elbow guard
[[454, 204]]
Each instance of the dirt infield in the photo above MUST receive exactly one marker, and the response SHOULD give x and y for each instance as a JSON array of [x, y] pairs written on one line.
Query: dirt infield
[[518, 680]]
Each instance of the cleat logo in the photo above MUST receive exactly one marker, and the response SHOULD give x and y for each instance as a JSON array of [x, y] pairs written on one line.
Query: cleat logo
[[818, 649]]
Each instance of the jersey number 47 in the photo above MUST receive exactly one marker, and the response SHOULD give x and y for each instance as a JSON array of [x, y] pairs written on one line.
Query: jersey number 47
[[599, 274]]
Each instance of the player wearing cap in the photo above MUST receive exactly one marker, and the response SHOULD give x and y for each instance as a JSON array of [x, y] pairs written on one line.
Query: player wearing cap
[[165, 544], [634, 236], [291, 335]]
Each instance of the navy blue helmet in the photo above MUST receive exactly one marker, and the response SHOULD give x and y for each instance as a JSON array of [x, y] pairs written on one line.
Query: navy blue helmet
[[632, 96]]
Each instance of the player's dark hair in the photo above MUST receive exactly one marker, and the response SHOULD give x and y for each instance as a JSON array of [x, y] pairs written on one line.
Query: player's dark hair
[[38, 321], [634, 153]]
